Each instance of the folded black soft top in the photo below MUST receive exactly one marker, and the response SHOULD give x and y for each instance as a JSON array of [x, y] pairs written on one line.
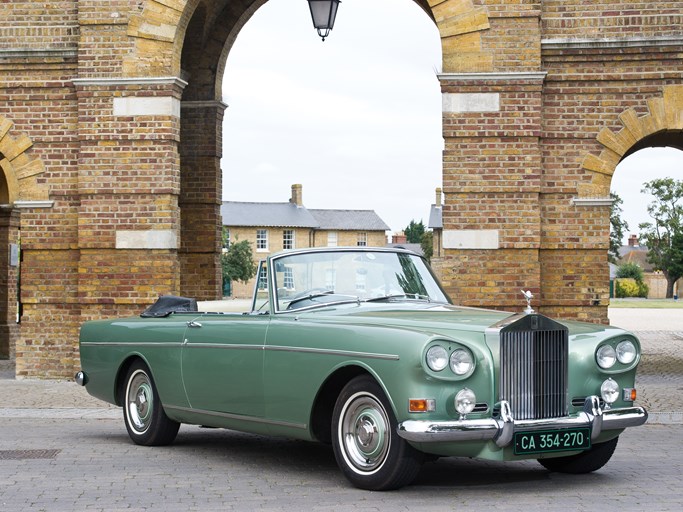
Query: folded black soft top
[[167, 304]]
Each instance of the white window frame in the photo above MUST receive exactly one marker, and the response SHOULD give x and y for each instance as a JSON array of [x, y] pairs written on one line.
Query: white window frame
[[288, 242], [362, 240], [261, 240], [332, 239], [330, 278], [288, 279], [263, 278]]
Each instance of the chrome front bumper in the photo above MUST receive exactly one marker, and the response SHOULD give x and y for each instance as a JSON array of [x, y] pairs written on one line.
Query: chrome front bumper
[[501, 429]]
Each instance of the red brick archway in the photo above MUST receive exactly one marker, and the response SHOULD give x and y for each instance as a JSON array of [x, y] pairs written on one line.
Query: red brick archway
[[121, 102]]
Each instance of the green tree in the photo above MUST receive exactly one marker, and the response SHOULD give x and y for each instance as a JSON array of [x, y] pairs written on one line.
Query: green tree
[[632, 271], [618, 227], [664, 236], [414, 232], [427, 244], [238, 262], [637, 287]]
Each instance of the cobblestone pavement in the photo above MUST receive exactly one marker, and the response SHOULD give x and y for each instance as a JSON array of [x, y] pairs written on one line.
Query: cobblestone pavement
[[61, 449], [57, 465]]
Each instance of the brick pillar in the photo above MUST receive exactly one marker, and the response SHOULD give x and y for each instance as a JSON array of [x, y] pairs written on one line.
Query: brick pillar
[[128, 182], [491, 181], [200, 199], [9, 267]]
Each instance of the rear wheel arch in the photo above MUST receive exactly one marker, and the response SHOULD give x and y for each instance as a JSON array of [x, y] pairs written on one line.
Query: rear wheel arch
[[120, 383]]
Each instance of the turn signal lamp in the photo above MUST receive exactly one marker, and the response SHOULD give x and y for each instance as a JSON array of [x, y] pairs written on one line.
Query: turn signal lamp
[[421, 405], [630, 394]]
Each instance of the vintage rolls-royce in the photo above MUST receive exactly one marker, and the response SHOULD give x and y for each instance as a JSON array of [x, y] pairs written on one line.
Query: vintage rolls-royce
[[361, 348]]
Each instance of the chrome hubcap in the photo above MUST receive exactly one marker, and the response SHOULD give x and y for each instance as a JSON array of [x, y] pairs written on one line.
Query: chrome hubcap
[[365, 433], [139, 401]]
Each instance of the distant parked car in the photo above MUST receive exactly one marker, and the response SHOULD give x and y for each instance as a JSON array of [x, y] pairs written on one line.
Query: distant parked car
[[361, 348]]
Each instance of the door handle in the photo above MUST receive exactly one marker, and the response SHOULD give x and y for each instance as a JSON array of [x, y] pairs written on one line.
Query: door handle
[[194, 324]]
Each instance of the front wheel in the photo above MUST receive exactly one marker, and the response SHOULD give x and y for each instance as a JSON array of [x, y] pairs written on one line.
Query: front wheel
[[585, 462], [367, 449], [145, 419]]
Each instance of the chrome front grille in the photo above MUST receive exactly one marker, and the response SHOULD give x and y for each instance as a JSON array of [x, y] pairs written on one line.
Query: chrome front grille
[[533, 368]]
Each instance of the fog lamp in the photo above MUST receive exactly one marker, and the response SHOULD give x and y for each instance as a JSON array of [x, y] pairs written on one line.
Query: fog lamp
[[609, 391], [465, 401]]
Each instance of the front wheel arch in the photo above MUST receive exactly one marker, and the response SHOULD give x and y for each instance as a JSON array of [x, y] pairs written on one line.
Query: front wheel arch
[[323, 405]]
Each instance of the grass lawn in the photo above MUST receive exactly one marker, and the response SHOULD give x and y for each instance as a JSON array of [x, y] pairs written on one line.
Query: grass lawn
[[646, 303]]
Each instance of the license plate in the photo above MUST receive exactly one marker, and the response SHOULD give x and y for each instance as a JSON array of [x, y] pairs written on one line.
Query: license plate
[[544, 441]]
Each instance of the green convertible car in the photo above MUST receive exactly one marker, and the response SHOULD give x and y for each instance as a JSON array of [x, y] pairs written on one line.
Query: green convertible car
[[361, 348]]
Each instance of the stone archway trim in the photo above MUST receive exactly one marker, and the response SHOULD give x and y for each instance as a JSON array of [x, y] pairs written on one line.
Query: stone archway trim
[[460, 25], [664, 113], [156, 36], [19, 169]]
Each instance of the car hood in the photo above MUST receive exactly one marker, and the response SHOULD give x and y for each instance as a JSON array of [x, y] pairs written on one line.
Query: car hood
[[428, 317]]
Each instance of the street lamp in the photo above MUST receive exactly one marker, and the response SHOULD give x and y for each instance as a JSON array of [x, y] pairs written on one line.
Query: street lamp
[[323, 13]]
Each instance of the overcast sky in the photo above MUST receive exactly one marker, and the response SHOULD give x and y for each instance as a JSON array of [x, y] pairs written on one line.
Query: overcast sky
[[355, 119]]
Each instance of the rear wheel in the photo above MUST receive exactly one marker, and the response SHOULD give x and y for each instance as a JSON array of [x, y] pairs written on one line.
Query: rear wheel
[[367, 449], [145, 419], [585, 462]]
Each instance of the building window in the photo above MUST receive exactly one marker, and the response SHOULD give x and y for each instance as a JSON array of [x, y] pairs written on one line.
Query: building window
[[330, 279], [226, 238], [332, 239], [361, 278], [362, 239], [288, 239], [263, 278], [288, 280], [262, 240]]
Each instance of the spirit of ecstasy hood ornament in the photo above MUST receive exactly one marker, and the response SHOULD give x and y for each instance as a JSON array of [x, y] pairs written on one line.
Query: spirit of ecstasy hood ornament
[[528, 296]]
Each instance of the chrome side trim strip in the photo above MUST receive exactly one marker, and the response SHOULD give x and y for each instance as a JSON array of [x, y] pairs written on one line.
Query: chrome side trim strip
[[223, 346], [240, 417], [164, 344], [331, 352]]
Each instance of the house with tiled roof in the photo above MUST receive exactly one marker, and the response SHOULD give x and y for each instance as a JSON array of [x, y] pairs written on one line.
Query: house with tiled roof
[[655, 280], [272, 227]]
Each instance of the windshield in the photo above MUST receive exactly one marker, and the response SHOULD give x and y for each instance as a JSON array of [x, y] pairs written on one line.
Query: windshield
[[309, 279]]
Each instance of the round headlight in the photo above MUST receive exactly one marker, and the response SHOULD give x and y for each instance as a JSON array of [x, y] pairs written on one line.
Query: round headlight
[[465, 401], [462, 361], [437, 358], [626, 352], [606, 356], [609, 391]]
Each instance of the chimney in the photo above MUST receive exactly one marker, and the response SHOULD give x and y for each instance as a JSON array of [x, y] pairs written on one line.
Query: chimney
[[297, 195], [633, 241], [438, 197]]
